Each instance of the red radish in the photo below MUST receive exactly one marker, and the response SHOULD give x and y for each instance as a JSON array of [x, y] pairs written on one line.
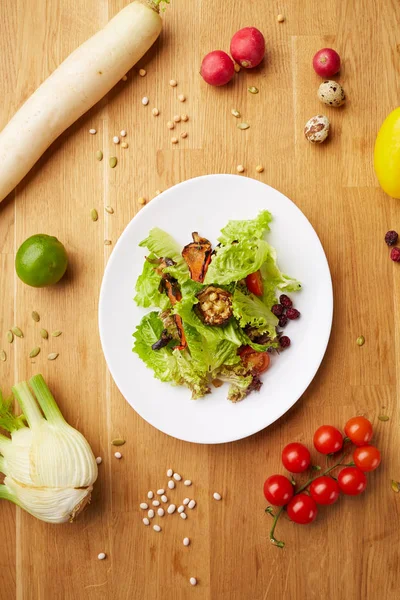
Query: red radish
[[217, 68], [326, 62], [248, 47]]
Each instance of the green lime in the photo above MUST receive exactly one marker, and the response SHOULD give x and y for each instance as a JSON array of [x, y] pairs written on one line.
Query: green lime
[[41, 260]]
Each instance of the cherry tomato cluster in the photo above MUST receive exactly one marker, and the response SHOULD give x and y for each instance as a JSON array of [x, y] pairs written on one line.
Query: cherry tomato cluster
[[302, 504]]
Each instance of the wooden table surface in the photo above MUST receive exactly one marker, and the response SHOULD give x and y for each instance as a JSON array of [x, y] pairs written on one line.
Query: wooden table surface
[[352, 551]]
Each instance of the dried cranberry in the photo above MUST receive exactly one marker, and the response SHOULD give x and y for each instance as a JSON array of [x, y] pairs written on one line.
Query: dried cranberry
[[391, 238], [277, 310], [284, 341], [285, 301], [283, 321], [292, 313], [395, 254]]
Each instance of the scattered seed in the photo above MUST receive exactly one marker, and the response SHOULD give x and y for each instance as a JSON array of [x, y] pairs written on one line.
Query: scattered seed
[[10, 337], [155, 112], [173, 83], [118, 442], [16, 331], [170, 471], [34, 352], [125, 78], [217, 496], [192, 504], [187, 482], [240, 169], [107, 242], [150, 513], [109, 210], [170, 124], [142, 72], [116, 139], [171, 509], [124, 145], [164, 498], [177, 477], [145, 100], [186, 541], [122, 133], [144, 505], [186, 501], [383, 417], [253, 90], [35, 316], [193, 581], [360, 340], [395, 486], [259, 168], [3, 356], [280, 18], [146, 521], [99, 155], [243, 126], [157, 193], [94, 215], [160, 512], [99, 460], [118, 455], [93, 131], [53, 356], [235, 113], [183, 516], [174, 140], [156, 503], [44, 334], [181, 98], [184, 118], [101, 556], [184, 134], [157, 528], [113, 162], [160, 492], [237, 68], [150, 495], [141, 200], [171, 484], [181, 508], [177, 118]]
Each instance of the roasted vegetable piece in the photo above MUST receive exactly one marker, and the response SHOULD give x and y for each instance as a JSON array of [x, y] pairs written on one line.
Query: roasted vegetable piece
[[215, 305], [171, 287], [197, 256], [163, 341]]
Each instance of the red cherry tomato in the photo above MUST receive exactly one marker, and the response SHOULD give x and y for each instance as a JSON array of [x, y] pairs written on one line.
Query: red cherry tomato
[[352, 481], [278, 490], [325, 490], [296, 457], [254, 283], [302, 509], [328, 439], [367, 458], [258, 362], [359, 430]]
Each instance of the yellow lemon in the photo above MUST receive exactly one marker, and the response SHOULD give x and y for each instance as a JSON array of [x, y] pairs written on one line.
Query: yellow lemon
[[387, 154]]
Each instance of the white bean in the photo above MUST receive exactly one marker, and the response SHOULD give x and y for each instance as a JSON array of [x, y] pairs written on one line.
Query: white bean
[[101, 556], [171, 484], [181, 508], [193, 581], [164, 498], [99, 460], [177, 477], [192, 504], [156, 528], [186, 501], [171, 509], [187, 482], [144, 505], [116, 139], [146, 521], [183, 516], [118, 455], [156, 503], [92, 131], [150, 513], [160, 492], [122, 133], [150, 495], [170, 473], [217, 496], [186, 541], [145, 101], [160, 512]]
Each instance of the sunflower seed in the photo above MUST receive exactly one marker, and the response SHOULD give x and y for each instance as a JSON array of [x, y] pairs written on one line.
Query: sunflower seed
[[235, 113], [99, 155], [395, 486], [118, 442], [10, 337], [3, 356], [34, 352], [113, 161], [56, 333], [16, 331], [109, 210], [53, 355], [242, 125], [253, 90], [383, 417], [44, 334], [36, 316]]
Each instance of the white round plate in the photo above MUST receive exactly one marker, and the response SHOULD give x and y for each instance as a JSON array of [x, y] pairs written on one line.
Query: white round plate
[[206, 204]]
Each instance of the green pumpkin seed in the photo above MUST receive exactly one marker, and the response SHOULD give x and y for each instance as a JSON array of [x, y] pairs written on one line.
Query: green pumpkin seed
[[118, 442], [44, 334], [383, 417], [53, 355], [56, 333], [113, 161], [360, 341], [242, 126], [3, 356], [10, 337], [94, 214], [99, 155], [16, 331], [395, 486], [36, 316], [34, 352], [109, 210], [235, 113], [107, 242], [253, 90]]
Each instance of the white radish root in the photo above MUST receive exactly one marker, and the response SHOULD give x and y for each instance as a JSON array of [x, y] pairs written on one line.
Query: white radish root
[[74, 87]]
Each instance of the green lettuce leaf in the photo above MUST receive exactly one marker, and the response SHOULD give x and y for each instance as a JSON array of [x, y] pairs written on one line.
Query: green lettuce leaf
[[146, 288], [235, 261], [163, 245], [241, 381], [210, 355], [195, 379], [241, 230], [250, 310]]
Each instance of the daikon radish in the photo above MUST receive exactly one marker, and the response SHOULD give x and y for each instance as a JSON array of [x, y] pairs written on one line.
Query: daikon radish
[[74, 87]]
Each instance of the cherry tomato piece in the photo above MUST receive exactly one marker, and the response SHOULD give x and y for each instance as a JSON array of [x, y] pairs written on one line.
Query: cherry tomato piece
[[278, 490], [258, 362], [254, 283], [328, 439], [359, 430], [325, 490], [367, 458], [352, 481], [302, 509], [296, 457]]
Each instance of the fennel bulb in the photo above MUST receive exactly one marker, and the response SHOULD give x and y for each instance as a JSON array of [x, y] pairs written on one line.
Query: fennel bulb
[[49, 466]]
